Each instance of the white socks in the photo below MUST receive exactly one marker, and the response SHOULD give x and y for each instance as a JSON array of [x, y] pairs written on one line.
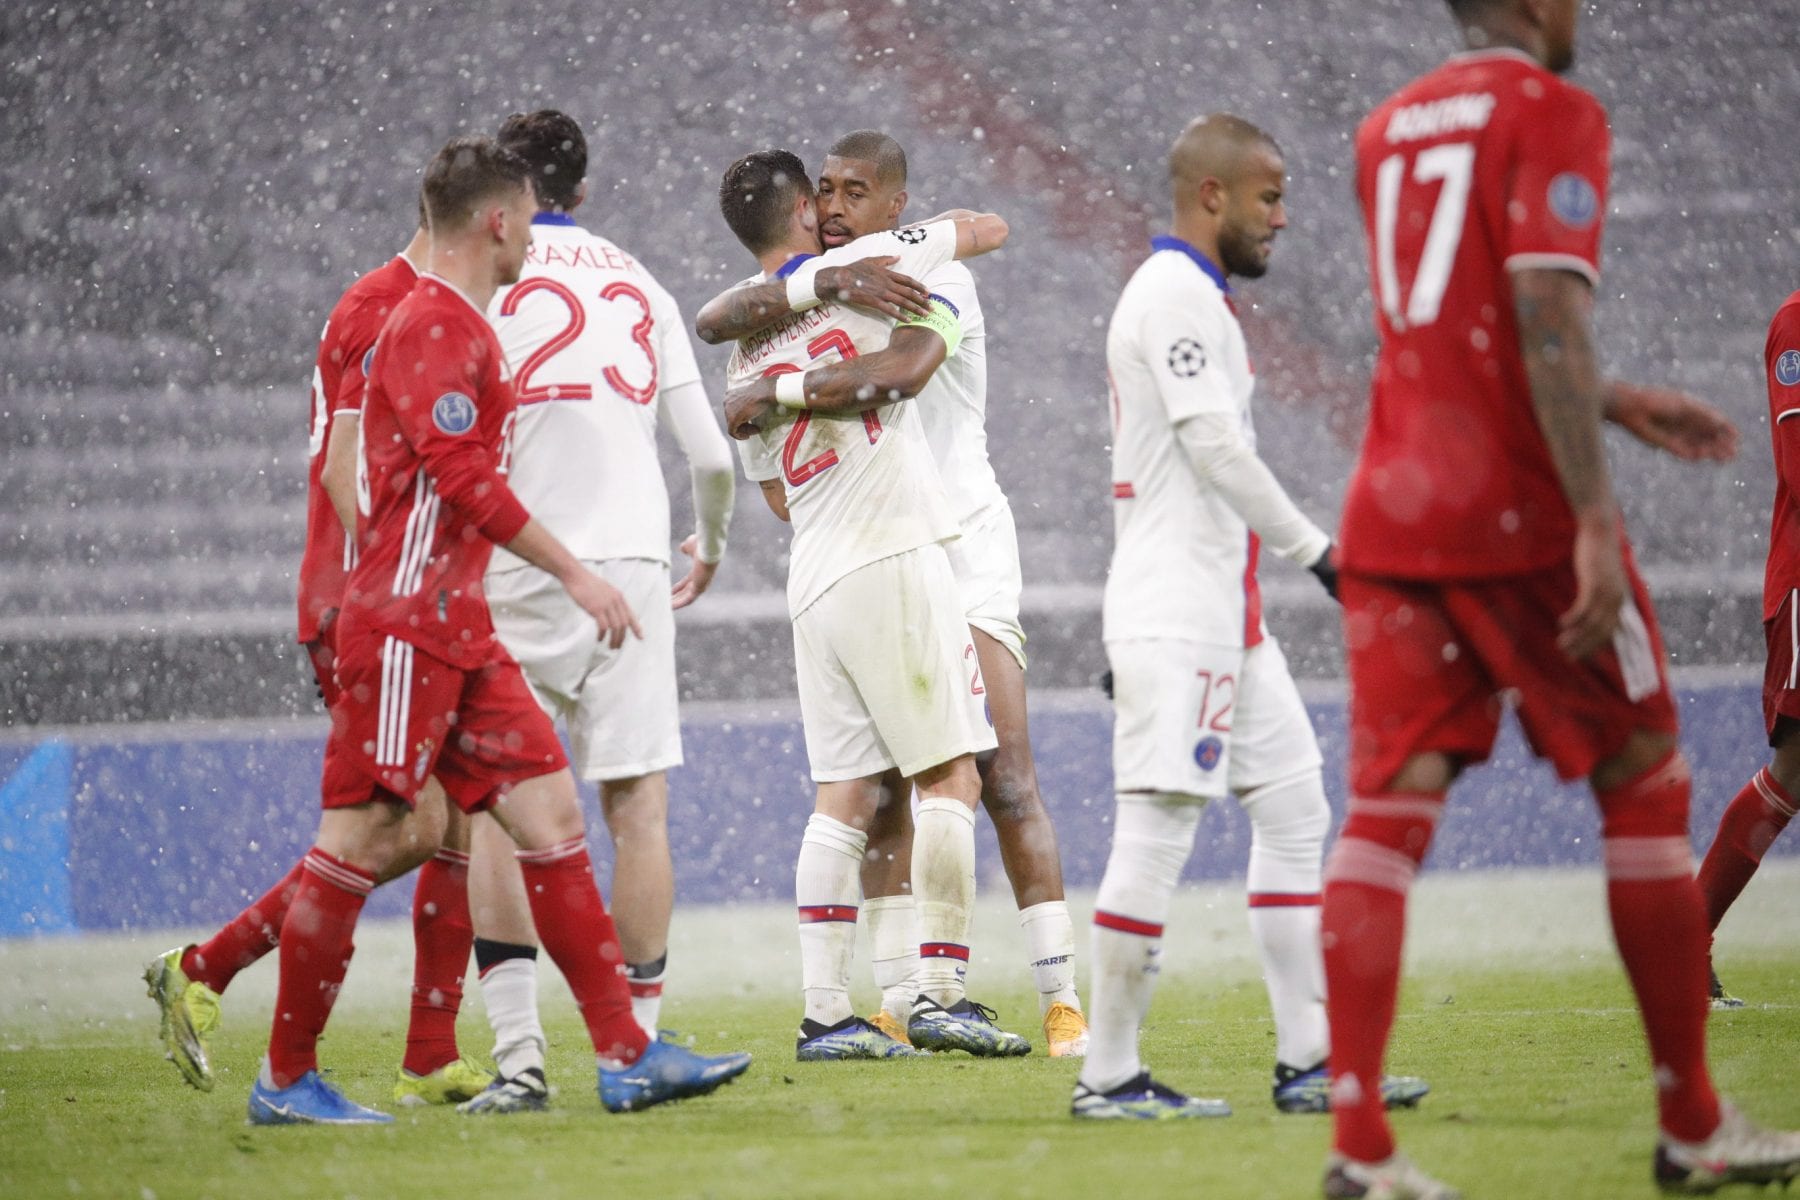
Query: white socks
[[509, 992], [943, 886], [1051, 937], [1152, 838], [894, 949], [827, 886], [1288, 825]]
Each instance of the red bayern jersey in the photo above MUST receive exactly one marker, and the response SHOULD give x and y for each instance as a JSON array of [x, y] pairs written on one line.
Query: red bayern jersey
[[1487, 165], [435, 438], [337, 386], [1781, 357]]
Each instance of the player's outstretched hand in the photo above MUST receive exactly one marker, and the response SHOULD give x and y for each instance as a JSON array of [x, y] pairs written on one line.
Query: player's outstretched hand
[[698, 579], [748, 406], [605, 603], [1673, 422], [871, 283], [1326, 572], [1592, 620]]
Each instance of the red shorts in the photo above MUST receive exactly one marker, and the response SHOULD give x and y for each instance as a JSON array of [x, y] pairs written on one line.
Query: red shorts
[[1781, 677], [1433, 666], [322, 653], [404, 716]]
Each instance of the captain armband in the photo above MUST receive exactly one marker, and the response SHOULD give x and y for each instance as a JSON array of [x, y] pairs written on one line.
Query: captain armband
[[943, 320]]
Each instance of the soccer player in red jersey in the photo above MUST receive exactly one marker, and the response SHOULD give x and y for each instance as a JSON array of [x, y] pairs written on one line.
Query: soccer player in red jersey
[[1758, 814], [425, 687], [188, 981], [1482, 556]]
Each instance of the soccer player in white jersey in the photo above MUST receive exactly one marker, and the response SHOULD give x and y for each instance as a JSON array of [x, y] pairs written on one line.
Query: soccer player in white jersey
[[1204, 701], [862, 190], [887, 677], [600, 352]]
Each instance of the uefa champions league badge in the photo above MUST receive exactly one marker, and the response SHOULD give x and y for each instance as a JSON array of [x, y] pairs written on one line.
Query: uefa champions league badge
[[1208, 753], [454, 413], [1573, 200], [1787, 368], [368, 362], [1187, 358]]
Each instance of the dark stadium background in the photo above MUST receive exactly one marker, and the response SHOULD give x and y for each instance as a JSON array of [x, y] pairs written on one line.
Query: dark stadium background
[[188, 186]]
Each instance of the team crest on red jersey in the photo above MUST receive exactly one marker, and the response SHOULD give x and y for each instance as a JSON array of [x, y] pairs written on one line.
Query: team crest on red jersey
[[422, 763]]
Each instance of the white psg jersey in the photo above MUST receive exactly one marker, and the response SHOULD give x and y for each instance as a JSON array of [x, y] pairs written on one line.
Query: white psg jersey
[[861, 487], [593, 341], [953, 404], [1184, 562]]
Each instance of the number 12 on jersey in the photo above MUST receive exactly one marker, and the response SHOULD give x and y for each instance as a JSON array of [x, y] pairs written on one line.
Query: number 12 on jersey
[[1453, 166]]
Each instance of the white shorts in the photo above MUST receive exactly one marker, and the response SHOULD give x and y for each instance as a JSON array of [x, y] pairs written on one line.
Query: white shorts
[[985, 560], [619, 704], [887, 672], [1203, 720]]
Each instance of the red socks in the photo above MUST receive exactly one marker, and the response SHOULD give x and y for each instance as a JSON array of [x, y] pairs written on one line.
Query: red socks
[[247, 937], [1751, 822], [315, 952], [1362, 927], [577, 933], [442, 939], [1659, 923]]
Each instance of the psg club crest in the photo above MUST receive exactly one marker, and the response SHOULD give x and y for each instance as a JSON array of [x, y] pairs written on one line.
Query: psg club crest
[[1208, 753], [454, 413], [1787, 368], [1574, 200], [1187, 358]]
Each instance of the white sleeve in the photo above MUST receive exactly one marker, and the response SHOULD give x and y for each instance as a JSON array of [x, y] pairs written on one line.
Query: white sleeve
[[921, 249], [675, 363], [698, 434], [1215, 445], [1186, 356], [761, 456]]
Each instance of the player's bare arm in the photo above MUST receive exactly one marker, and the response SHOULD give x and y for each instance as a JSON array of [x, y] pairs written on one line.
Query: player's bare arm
[[598, 598], [868, 283], [1671, 421], [1567, 393], [338, 475], [775, 495], [984, 231], [854, 385], [979, 233]]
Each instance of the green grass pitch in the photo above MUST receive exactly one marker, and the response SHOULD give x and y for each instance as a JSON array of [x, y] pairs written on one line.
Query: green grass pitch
[[1524, 1027]]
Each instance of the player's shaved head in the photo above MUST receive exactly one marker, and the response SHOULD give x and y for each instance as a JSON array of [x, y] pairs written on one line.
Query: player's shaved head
[[465, 175], [757, 196], [553, 144], [873, 146], [1218, 146]]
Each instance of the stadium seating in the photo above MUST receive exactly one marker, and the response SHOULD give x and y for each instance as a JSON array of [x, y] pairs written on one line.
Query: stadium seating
[[183, 209]]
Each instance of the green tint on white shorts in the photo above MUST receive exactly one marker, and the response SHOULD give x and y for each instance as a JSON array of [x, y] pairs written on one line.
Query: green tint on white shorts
[[887, 672]]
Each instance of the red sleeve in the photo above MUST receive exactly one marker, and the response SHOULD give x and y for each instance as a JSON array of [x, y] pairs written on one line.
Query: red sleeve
[[1781, 358], [357, 345], [1556, 196], [439, 385]]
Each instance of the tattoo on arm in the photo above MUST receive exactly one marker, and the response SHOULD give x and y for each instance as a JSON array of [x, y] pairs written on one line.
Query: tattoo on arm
[[1567, 393], [742, 311]]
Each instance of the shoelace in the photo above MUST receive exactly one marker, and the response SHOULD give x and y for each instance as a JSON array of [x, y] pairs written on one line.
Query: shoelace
[[983, 1011]]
